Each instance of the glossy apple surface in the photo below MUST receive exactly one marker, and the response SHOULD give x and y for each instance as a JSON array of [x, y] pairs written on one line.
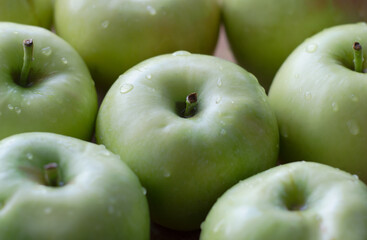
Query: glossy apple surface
[[263, 33], [99, 197], [60, 96], [320, 101], [296, 201], [186, 163], [31, 12], [114, 35]]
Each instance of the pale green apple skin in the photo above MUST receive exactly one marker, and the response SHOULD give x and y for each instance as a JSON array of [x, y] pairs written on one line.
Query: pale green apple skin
[[263, 33], [101, 197], [296, 201], [319, 101], [114, 35], [62, 98], [186, 163], [30, 12]]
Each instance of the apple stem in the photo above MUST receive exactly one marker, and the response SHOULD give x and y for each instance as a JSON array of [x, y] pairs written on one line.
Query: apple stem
[[52, 176], [191, 104], [27, 62], [358, 57]]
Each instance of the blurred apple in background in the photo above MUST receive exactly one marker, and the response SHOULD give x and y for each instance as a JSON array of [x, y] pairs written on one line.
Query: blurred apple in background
[[32, 12], [114, 35], [262, 33]]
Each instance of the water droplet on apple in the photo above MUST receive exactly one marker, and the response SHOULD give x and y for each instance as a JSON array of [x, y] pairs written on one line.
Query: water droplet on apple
[[47, 210], [18, 110], [218, 226], [353, 127], [64, 60], [29, 156], [335, 106], [354, 98], [144, 190], [218, 100], [311, 48], [308, 95], [105, 24], [355, 176], [219, 82], [151, 10], [149, 76], [10, 107], [166, 174], [126, 87], [284, 131], [181, 53], [111, 209], [47, 51]]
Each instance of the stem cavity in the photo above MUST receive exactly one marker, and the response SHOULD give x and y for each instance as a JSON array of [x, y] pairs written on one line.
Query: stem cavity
[[191, 105], [358, 57], [27, 62], [52, 175]]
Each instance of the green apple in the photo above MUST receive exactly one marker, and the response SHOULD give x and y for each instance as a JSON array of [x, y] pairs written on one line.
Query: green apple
[[296, 201], [58, 187], [187, 155], [114, 35], [319, 100], [49, 90], [262, 33], [31, 12]]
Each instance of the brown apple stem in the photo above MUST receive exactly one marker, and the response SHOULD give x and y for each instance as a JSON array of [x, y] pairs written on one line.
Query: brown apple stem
[[191, 104], [52, 176], [27, 62], [358, 57]]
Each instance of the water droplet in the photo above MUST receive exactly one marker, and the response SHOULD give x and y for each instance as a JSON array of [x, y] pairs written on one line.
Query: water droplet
[[284, 131], [47, 51], [126, 87], [64, 60], [353, 127], [105, 24], [111, 209], [15, 32], [149, 76], [47, 210], [151, 10], [11, 107], [311, 48], [335, 106], [308, 95], [18, 110], [354, 98], [181, 53], [166, 174], [355, 176], [219, 82], [29, 156], [218, 100], [144, 190]]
